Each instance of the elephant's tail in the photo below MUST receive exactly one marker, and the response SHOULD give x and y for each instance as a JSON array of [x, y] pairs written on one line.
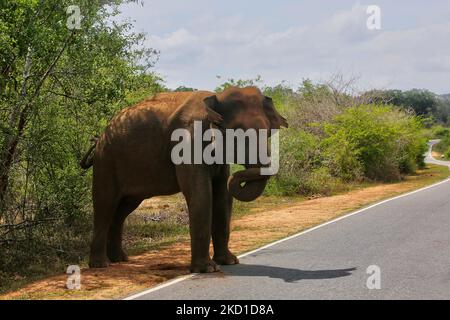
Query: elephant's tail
[[88, 158]]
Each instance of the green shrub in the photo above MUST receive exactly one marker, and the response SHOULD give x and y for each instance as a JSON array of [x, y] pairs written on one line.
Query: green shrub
[[439, 132], [320, 182], [444, 145], [380, 140], [342, 159], [447, 153], [322, 152], [299, 153]]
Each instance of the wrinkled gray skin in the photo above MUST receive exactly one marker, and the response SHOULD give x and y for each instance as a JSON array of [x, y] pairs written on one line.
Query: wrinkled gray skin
[[132, 162]]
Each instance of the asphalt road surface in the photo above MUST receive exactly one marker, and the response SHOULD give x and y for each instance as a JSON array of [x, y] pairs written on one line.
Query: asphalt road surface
[[430, 159], [397, 249]]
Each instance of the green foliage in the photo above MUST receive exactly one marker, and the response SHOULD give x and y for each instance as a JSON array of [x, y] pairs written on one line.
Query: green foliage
[[424, 103], [310, 90], [447, 153], [341, 157], [298, 158], [282, 96], [240, 83], [184, 89], [444, 145], [385, 141], [440, 132]]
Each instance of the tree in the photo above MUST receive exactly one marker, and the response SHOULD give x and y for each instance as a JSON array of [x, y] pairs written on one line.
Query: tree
[[59, 86], [422, 102], [184, 89], [443, 109], [240, 83]]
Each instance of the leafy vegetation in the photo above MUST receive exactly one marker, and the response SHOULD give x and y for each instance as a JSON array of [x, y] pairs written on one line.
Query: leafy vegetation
[[336, 139], [383, 141], [443, 147], [430, 106]]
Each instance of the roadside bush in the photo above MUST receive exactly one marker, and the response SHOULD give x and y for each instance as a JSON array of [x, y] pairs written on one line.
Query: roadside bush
[[333, 141], [302, 167], [447, 153], [299, 152], [320, 182], [381, 140], [439, 132], [313, 105], [342, 159], [444, 145]]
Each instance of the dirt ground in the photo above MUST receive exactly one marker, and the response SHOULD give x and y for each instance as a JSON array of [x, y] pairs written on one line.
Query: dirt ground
[[436, 155], [262, 225]]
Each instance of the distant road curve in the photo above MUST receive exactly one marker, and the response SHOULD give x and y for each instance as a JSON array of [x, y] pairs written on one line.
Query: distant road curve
[[429, 157]]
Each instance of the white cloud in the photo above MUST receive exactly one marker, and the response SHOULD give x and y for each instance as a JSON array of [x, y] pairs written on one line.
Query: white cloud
[[233, 46]]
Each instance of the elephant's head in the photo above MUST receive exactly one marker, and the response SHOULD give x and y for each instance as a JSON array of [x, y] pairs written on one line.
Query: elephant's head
[[246, 108]]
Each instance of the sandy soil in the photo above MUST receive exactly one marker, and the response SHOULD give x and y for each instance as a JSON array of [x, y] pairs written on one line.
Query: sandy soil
[[436, 155]]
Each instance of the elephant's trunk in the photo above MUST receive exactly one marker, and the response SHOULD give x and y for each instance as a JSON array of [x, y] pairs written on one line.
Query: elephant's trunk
[[247, 185]]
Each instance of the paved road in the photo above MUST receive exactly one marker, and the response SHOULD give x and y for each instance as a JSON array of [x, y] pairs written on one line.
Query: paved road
[[429, 158], [408, 238]]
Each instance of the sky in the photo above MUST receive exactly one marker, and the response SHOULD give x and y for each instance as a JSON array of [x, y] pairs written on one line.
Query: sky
[[287, 40]]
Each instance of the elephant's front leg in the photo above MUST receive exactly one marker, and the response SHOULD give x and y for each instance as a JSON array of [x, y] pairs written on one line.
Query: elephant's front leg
[[195, 183], [221, 219]]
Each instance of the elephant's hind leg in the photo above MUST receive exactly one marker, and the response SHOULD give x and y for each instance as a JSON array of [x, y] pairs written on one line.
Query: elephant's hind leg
[[104, 209], [115, 251], [105, 197]]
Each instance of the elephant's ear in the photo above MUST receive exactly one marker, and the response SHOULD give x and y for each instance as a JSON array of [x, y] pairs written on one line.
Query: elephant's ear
[[212, 104], [276, 120]]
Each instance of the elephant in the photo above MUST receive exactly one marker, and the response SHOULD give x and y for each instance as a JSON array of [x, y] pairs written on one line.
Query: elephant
[[131, 162]]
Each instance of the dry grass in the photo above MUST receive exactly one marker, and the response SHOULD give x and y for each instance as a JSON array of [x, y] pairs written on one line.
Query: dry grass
[[265, 220]]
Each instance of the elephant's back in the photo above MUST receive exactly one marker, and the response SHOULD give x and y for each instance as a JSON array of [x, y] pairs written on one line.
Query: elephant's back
[[154, 112], [140, 131], [159, 106], [165, 102], [146, 116], [145, 125]]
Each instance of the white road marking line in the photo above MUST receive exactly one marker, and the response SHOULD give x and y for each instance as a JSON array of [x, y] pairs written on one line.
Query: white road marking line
[[182, 278], [163, 285]]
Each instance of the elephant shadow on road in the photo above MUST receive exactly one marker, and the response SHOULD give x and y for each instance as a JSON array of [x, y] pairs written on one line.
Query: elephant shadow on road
[[286, 274]]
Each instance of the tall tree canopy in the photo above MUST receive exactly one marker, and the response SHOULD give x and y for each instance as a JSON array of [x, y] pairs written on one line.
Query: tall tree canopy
[[422, 102], [64, 71]]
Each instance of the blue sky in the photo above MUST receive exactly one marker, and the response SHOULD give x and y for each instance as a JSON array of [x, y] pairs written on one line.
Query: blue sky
[[291, 40]]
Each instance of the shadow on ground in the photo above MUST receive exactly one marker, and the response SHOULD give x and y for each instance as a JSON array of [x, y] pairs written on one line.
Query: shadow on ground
[[286, 274]]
